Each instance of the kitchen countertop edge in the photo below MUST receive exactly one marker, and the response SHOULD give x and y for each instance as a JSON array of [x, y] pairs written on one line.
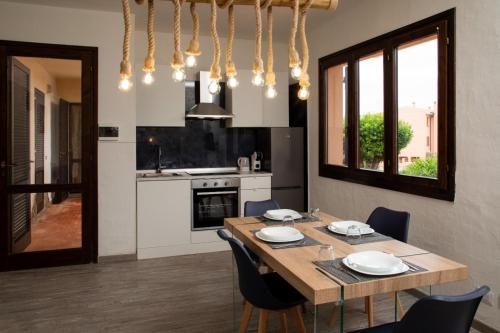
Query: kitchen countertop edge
[[189, 177]]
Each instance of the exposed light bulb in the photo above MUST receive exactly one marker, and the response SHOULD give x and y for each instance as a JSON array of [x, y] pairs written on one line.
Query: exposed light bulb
[[125, 84], [303, 93], [214, 87], [258, 80], [296, 72], [148, 78], [191, 61], [232, 82], [271, 91], [178, 75]]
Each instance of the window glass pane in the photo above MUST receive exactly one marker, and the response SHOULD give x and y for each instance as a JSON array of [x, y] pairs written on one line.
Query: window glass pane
[[417, 107], [371, 112], [337, 115], [45, 221], [45, 116]]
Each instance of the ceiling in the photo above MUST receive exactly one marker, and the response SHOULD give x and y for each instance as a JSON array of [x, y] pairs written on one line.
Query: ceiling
[[245, 20]]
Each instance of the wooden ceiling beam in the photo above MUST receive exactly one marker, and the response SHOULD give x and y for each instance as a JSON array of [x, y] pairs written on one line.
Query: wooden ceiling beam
[[319, 4]]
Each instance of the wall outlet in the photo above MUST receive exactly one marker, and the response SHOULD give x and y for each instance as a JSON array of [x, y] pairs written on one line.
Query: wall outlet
[[490, 299]]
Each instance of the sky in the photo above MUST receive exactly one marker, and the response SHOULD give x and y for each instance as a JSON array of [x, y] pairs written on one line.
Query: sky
[[417, 78]]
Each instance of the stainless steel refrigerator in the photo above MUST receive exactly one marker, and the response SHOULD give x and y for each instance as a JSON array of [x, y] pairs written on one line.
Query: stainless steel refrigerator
[[287, 166]]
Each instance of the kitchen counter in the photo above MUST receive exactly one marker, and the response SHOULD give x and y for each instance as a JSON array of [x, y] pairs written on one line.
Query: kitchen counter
[[173, 175]]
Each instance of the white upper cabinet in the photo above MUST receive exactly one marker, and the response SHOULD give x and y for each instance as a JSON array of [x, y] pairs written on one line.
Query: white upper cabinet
[[163, 102], [250, 106], [245, 102]]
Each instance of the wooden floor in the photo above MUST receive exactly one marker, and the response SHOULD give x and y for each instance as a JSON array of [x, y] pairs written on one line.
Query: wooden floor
[[179, 294]]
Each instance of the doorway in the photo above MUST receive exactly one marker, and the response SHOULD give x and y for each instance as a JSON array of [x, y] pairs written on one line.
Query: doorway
[[48, 155]]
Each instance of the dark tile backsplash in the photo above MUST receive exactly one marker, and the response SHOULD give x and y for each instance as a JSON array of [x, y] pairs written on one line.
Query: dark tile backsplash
[[201, 144]]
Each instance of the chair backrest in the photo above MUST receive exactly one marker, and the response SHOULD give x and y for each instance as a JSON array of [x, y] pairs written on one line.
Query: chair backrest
[[390, 223], [251, 283], [442, 314], [258, 208]]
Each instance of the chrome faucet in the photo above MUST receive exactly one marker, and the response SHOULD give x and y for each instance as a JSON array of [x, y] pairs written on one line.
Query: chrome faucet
[[160, 166]]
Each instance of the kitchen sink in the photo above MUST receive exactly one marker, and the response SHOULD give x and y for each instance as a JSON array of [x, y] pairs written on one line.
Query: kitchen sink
[[160, 175]]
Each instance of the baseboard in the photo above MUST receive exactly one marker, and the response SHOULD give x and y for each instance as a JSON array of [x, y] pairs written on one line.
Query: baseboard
[[181, 249], [476, 324], [117, 258]]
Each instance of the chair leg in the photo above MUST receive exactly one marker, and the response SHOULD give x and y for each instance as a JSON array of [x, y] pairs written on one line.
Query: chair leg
[[283, 322], [401, 310], [245, 319], [263, 316], [335, 315], [369, 307], [296, 313]]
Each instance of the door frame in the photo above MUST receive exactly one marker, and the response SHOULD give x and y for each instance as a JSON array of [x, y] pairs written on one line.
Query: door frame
[[88, 187]]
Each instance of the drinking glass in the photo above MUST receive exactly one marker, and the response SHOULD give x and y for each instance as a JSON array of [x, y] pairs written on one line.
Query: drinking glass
[[288, 221], [353, 232], [313, 212], [326, 253]]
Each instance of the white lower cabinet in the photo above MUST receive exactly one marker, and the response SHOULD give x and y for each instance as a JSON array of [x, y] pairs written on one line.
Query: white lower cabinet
[[257, 194], [163, 213], [254, 189]]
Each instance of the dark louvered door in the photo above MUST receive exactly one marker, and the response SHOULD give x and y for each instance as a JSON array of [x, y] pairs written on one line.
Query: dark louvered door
[[39, 146], [48, 155], [20, 156]]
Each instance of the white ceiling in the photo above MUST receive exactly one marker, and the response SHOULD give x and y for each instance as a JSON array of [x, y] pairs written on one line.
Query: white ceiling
[[62, 68], [245, 20]]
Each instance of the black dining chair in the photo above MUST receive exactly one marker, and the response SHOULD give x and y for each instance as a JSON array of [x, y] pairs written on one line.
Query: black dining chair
[[259, 208], [268, 292], [394, 224], [436, 314]]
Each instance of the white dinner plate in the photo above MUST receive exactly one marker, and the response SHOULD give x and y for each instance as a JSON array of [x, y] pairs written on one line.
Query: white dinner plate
[[342, 226], [279, 236], [279, 214], [375, 263]]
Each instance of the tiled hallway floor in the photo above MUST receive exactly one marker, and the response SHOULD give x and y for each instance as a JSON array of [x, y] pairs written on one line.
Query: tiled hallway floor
[[57, 227]]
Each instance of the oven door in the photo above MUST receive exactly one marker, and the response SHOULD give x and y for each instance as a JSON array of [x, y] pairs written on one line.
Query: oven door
[[211, 206]]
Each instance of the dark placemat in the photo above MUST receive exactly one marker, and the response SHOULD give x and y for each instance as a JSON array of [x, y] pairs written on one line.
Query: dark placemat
[[306, 241], [342, 272], [371, 238], [305, 218]]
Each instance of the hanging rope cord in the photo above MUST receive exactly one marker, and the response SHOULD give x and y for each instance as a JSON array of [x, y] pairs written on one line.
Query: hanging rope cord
[[304, 80], [149, 63], [194, 44], [270, 75], [215, 71], [230, 66], [258, 65], [178, 59], [293, 55], [125, 67]]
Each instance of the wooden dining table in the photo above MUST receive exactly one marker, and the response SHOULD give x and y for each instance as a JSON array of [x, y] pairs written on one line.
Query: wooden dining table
[[296, 264]]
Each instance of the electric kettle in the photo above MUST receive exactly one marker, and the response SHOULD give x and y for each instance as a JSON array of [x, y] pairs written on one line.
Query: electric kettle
[[244, 163]]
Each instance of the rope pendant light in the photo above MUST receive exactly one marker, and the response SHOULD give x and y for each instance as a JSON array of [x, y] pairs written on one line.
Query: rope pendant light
[[293, 55], [258, 65], [193, 50], [270, 75], [304, 83], [177, 64], [149, 62], [215, 71], [125, 66], [231, 73]]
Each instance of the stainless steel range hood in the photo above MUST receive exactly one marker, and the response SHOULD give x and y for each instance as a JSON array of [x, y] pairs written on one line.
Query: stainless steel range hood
[[206, 107]]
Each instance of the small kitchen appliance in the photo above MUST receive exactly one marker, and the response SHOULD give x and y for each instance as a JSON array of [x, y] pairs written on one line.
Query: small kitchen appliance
[[256, 158], [244, 164]]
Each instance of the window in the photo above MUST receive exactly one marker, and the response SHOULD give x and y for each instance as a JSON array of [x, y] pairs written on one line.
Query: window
[[387, 110]]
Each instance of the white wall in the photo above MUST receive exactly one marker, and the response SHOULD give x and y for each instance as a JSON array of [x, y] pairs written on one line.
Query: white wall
[[243, 52], [117, 228], [467, 230]]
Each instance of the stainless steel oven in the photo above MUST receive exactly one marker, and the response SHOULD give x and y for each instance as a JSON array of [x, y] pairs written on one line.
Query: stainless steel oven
[[213, 200]]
